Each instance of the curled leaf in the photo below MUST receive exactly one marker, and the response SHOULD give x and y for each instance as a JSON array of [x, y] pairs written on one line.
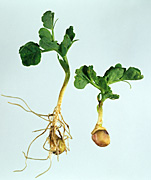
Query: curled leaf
[[65, 45], [132, 74], [86, 74], [118, 73], [67, 41], [91, 73], [81, 80], [70, 33], [114, 74]]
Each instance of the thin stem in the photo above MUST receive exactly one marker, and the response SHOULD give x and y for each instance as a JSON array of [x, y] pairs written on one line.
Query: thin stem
[[94, 85], [128, 83], [100, 113], [53, 37], [67, 76], [55, 23]]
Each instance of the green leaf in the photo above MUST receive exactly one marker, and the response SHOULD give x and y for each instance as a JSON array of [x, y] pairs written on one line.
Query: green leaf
[[91, 73], [65, 45], [110, 95], [48, 45], [97, 81], [85, 75], [67, 41], [114, 74], [70, 33], [118, 65], [102, 84], [30, 54], [48, 19], [80, 82], [118, 73], [82, 71], [46, 40], [43, 32], [132, 74], [88, 75], [81, 79]]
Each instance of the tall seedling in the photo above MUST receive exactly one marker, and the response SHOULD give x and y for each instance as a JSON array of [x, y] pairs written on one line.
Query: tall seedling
[[30, 53]]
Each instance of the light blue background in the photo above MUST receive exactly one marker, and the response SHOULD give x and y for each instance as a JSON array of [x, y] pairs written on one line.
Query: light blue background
[[109, 32]]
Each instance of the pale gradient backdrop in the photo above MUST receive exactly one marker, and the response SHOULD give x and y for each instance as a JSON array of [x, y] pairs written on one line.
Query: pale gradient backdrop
[[110, 32]]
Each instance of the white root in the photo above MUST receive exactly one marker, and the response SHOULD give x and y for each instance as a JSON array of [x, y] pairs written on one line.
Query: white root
[[56, 124]]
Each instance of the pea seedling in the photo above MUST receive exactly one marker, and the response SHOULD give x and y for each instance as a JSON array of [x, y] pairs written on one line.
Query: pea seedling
[[30, 53], [86, 75]]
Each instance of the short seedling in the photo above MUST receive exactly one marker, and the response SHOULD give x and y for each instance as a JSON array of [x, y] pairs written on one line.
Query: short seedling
[[30, 53], [86, 75]]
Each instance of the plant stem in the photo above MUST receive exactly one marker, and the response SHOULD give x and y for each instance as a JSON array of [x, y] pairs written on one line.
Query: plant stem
[[95, 85], [53, 37], [100, 113], [67, 76]]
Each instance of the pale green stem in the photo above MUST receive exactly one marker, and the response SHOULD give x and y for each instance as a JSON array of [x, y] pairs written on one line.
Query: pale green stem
[[53, 37], [100, 114], [61, 94]]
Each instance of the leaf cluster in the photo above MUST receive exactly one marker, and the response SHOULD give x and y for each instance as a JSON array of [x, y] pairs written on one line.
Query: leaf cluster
[[86, 75], [30, 53]]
